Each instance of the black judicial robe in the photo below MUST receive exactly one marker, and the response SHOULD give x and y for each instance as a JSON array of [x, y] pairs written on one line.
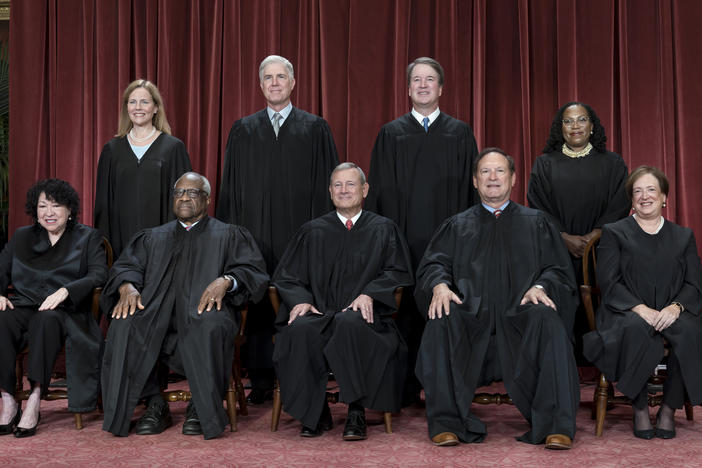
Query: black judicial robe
[[131, 195], [579, 194], [633, 268], [490, 264], [272, 186], [37, 269], [171, 267], [328, 266], [418, 178]]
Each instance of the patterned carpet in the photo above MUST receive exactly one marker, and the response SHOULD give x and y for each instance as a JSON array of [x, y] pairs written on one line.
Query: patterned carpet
[[58, 443]]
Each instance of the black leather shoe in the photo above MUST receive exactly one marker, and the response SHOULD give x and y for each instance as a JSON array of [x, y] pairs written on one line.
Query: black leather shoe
[[155, 420], [21, 432], [646, 434], [259, 397], [325, 424], [355, 428], [191, 426], [6, 429]]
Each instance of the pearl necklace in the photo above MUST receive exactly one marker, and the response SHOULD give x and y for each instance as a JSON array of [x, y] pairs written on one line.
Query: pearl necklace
[[139, 140], [576, 154]]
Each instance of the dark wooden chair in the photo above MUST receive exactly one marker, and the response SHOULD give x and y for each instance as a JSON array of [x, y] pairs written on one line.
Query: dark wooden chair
[[332, 397], [235, 391], [604, 396], [56, 393]]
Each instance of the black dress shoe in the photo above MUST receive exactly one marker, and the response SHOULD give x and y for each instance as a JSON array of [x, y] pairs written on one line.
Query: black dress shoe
[[191, 426], [355, 428], [259, 397], [325, 424], [21, 432], [155, 420], [646, 434], [6, 429], [664, 433]]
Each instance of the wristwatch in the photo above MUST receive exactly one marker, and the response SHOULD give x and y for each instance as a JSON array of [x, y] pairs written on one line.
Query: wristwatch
[[681, 309]]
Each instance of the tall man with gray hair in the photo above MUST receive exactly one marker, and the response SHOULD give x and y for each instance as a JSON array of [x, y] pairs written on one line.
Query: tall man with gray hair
[[276, 166]]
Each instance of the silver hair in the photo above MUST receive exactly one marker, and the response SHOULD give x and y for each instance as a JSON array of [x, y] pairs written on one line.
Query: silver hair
[[205, 183], [279, 59], [348, 165]]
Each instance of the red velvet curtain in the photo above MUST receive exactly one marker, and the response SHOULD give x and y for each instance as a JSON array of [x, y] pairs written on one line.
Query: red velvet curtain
[[509, 65]]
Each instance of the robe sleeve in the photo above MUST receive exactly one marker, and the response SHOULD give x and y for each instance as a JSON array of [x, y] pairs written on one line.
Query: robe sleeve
[[227, 202], [539, 193], [245, 263], [101, 211], [690, 295], [618, 205], [326, 159], [557, 275], [291, 277], [130, 267], [468, 193], [436, 266], [381, 177], [96, 274], [615, 293], [396, 271]]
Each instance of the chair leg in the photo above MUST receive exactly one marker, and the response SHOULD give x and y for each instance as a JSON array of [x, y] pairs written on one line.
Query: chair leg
[[387, 418], [601, 404], [231, 404], [78, 418], [689, 412], [240, 394], [277, 407]]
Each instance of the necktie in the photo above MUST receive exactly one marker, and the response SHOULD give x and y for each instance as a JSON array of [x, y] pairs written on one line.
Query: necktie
[[187, 228], [425, 121], [276, 123], [349, 224], [498, 213]]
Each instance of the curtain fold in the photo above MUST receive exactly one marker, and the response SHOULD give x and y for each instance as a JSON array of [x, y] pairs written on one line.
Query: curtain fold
[[509, 65]]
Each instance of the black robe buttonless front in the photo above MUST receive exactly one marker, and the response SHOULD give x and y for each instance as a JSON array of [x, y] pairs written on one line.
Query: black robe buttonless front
[[329, 266], [171, 267], [418, 178], [633, 268], [490, 263], [133, 194]]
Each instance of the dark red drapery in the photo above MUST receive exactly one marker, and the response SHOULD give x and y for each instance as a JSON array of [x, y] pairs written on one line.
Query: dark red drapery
[[509, 65]]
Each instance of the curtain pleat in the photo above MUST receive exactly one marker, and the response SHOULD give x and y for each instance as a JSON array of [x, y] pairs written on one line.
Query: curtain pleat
[[509, 65]]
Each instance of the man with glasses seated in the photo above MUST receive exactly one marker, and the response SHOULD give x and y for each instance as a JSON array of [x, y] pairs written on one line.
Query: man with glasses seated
[[172, 296]]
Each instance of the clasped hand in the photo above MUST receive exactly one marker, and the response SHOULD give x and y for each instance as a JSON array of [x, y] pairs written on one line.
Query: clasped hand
[[660, 320]]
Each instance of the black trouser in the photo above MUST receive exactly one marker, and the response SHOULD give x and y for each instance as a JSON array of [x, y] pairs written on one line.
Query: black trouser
[[44, 332]]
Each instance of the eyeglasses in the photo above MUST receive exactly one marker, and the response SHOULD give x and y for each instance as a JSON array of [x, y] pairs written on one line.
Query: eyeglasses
[[192, 192], [582, 120]]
